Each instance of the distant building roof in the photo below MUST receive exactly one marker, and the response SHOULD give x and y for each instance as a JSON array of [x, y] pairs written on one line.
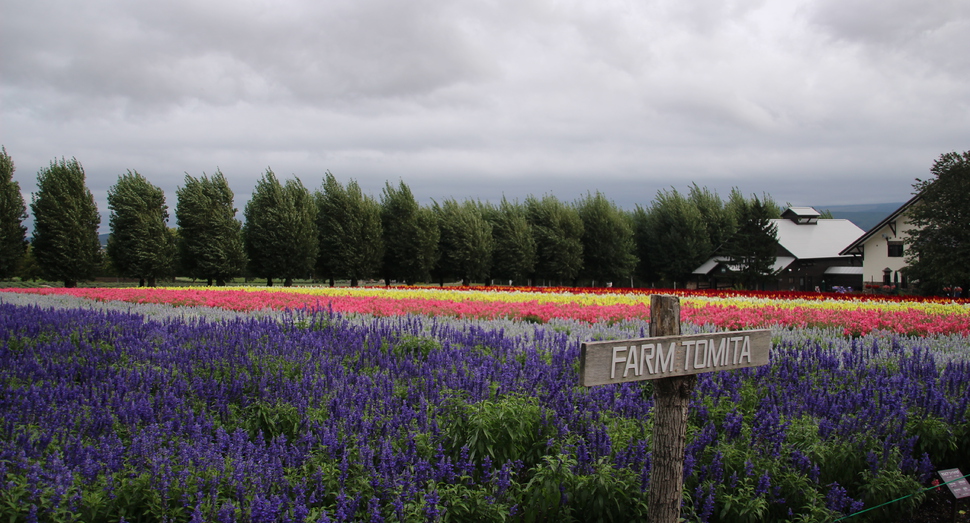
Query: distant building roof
[[780, 263], [802, 236], [822, 239]]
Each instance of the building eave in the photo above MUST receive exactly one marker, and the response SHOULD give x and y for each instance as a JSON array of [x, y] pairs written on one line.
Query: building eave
[[855, 247]]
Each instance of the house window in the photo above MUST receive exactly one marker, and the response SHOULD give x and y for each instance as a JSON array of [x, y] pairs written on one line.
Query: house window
[[895, 249]]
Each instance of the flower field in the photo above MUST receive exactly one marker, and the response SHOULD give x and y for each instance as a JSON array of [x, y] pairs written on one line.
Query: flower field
[[734, 311], [444, 405]]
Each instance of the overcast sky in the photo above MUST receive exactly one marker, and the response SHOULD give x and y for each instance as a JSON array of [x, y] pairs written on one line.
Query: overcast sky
[[812, 101]]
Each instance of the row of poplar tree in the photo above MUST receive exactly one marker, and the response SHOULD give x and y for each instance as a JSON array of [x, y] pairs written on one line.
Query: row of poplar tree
[[338, 232]]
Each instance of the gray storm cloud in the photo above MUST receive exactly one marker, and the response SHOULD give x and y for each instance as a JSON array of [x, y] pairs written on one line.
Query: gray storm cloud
[[817, 101]]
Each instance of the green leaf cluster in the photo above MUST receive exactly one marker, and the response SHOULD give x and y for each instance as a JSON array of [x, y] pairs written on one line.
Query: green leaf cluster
[[410, 234], [608, 241], [280, 234], [671, 238], [514, 248], [558, 233], [140, 245], [13, 212], [66, 221], [465, 242], [210, 241], [754, 245], [350, 232], [939, 245]]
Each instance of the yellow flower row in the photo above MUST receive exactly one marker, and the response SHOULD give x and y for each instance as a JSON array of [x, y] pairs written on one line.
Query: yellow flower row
[[582, 299]]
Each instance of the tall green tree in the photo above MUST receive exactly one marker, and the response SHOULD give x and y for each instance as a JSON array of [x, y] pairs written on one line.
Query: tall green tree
[[558, 232], [514, 248], [608, 244], [465, 243], [752, 249], [410, 234], [140, 245], [671, 237], [938, 248], [209, 237], [13, 212], [719, 221], [737, 203], [351, 236], [66, 222], [280, 234]]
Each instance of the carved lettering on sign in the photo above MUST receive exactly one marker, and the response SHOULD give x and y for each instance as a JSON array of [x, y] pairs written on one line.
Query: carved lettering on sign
[[620, 361]]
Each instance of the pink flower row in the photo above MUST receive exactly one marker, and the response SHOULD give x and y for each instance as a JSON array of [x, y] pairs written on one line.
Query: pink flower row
[[720, 314]]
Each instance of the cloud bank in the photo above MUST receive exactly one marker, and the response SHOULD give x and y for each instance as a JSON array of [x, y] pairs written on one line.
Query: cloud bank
[[812, 101]]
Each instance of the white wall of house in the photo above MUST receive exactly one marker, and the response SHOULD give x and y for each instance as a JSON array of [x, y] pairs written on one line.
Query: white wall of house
[[876, 251]]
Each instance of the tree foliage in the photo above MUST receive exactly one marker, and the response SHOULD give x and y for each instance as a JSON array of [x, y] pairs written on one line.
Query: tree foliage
[[465, 242], [140, 245], [66, 222], [938, 250], [410, 235], [514, 248], [558, 232], [718, 219], [671, 237], [608, 243], [351, 235], [280, 234], [752, 249], [209, 237], [13, 212]]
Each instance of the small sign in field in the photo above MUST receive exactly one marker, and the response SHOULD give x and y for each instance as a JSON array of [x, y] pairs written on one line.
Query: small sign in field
[[619, 361], [956, 483]]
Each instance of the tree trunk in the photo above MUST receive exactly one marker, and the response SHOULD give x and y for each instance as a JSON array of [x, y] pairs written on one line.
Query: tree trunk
[[288, 282], [331, 281], [671, 398], [269, 282], [354, 282], [152, 282], [70, 284], [208, 282], [141, 282], [465, 282]]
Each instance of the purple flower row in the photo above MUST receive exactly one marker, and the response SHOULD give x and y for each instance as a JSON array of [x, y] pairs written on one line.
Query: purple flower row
[[319, 417]]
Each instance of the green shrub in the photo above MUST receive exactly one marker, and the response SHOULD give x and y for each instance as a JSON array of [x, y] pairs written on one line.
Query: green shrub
[[509, 428]]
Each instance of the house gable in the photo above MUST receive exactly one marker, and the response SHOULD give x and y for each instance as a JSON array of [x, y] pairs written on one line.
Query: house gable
[[881, 248]]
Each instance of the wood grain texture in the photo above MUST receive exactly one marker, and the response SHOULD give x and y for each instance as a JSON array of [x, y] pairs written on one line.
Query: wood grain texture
[[619, 361], [671, 398]]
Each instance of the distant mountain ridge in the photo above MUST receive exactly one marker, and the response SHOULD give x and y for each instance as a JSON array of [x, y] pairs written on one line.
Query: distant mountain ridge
[[865, 215]]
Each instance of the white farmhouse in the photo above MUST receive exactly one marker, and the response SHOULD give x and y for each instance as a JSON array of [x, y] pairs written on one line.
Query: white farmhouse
[[882, 249]]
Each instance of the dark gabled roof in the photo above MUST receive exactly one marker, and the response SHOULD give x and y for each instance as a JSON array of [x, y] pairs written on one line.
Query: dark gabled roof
[[800, 212], [869, 234]]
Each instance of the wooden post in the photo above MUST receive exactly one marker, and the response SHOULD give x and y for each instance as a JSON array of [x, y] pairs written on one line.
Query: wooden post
[[671, 397]]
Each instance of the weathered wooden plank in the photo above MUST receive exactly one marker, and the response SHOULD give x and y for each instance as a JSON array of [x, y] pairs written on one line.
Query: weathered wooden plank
[[671, 400], [619, 361]]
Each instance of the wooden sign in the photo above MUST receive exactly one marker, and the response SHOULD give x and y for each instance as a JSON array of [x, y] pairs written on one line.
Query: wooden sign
[[619, 361], [955, 482]]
